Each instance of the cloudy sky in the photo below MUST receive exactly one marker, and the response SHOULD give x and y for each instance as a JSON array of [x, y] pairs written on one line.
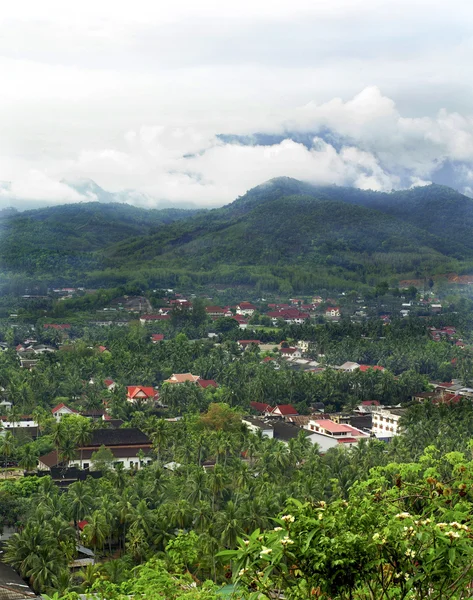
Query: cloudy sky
[[134, 95]]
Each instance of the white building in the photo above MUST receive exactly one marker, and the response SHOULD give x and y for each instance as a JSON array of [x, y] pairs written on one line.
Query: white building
[[386, 422], [328, 434]]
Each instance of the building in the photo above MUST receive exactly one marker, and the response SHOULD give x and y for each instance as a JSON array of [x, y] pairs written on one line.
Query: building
[[244, 344], [12, 586], [126, 446], [284, 410], [332, 312], [61, 410], [349, 367], [177, 378], [386, 422], [256, 425], [140, 393], [329, 434], [246, 309]]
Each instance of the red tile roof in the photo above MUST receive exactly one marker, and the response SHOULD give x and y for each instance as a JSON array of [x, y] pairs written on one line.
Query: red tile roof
[[285, 409], [365, 368], [248, 342], [56, 326], [134, 390], [370, 403], [205, 383], [261, 407], [157, 337], [62, 405]]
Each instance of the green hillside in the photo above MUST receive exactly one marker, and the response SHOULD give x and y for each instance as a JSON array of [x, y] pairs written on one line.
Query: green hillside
[[67, 236], [283, 234]]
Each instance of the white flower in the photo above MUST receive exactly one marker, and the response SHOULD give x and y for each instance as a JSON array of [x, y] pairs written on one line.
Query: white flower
[[288, 518], [403, 515], [286, 541], [242, 572], [410, 553], [246, 542], [452, 534], [406, 576], [278, 529], [260, 574], [321, 516], [376, 536], [442, 525], [455, 525], [265, 551], [465, 527]]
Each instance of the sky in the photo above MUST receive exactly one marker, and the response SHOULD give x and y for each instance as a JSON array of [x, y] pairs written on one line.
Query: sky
[[194, 103]]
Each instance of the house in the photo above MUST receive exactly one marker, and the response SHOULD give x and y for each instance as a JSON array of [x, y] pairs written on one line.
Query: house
[[284, 410], [368, 406], [366, 368], [244, 344], [332, 312], [386, 422], [126, 445], [292, 316], [12, 586], [109, 384], [205, 383], [328, 432], [61, 410], [349, 367], [261, 407], [215, 311], [246, 309], [257, 425], [28, 363], [147, 319], [293, 352], [182, 378], [242, 322], [140, 393], [23, 422], [157, 337]]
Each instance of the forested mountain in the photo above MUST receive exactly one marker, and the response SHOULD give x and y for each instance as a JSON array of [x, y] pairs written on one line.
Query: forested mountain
[[39, 241], [283, 232]]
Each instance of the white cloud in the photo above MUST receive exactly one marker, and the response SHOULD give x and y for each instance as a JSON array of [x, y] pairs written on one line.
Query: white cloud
[[133, 95]]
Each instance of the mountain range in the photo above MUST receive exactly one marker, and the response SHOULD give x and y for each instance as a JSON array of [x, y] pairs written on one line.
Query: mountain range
[[284, 234]]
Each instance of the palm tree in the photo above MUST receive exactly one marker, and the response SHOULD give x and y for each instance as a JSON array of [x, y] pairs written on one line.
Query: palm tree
[[97, 530], [7, 447], [29, 458], [83, 435], [159, 436], [35, 555], [79, 501]]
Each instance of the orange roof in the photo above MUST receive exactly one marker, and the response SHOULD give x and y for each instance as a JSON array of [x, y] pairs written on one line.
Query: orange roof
[[134, 390]]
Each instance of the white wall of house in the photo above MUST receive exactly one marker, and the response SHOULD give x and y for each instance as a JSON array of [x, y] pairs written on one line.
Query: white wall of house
[[385, 423], [267, 431], [131, 462]]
